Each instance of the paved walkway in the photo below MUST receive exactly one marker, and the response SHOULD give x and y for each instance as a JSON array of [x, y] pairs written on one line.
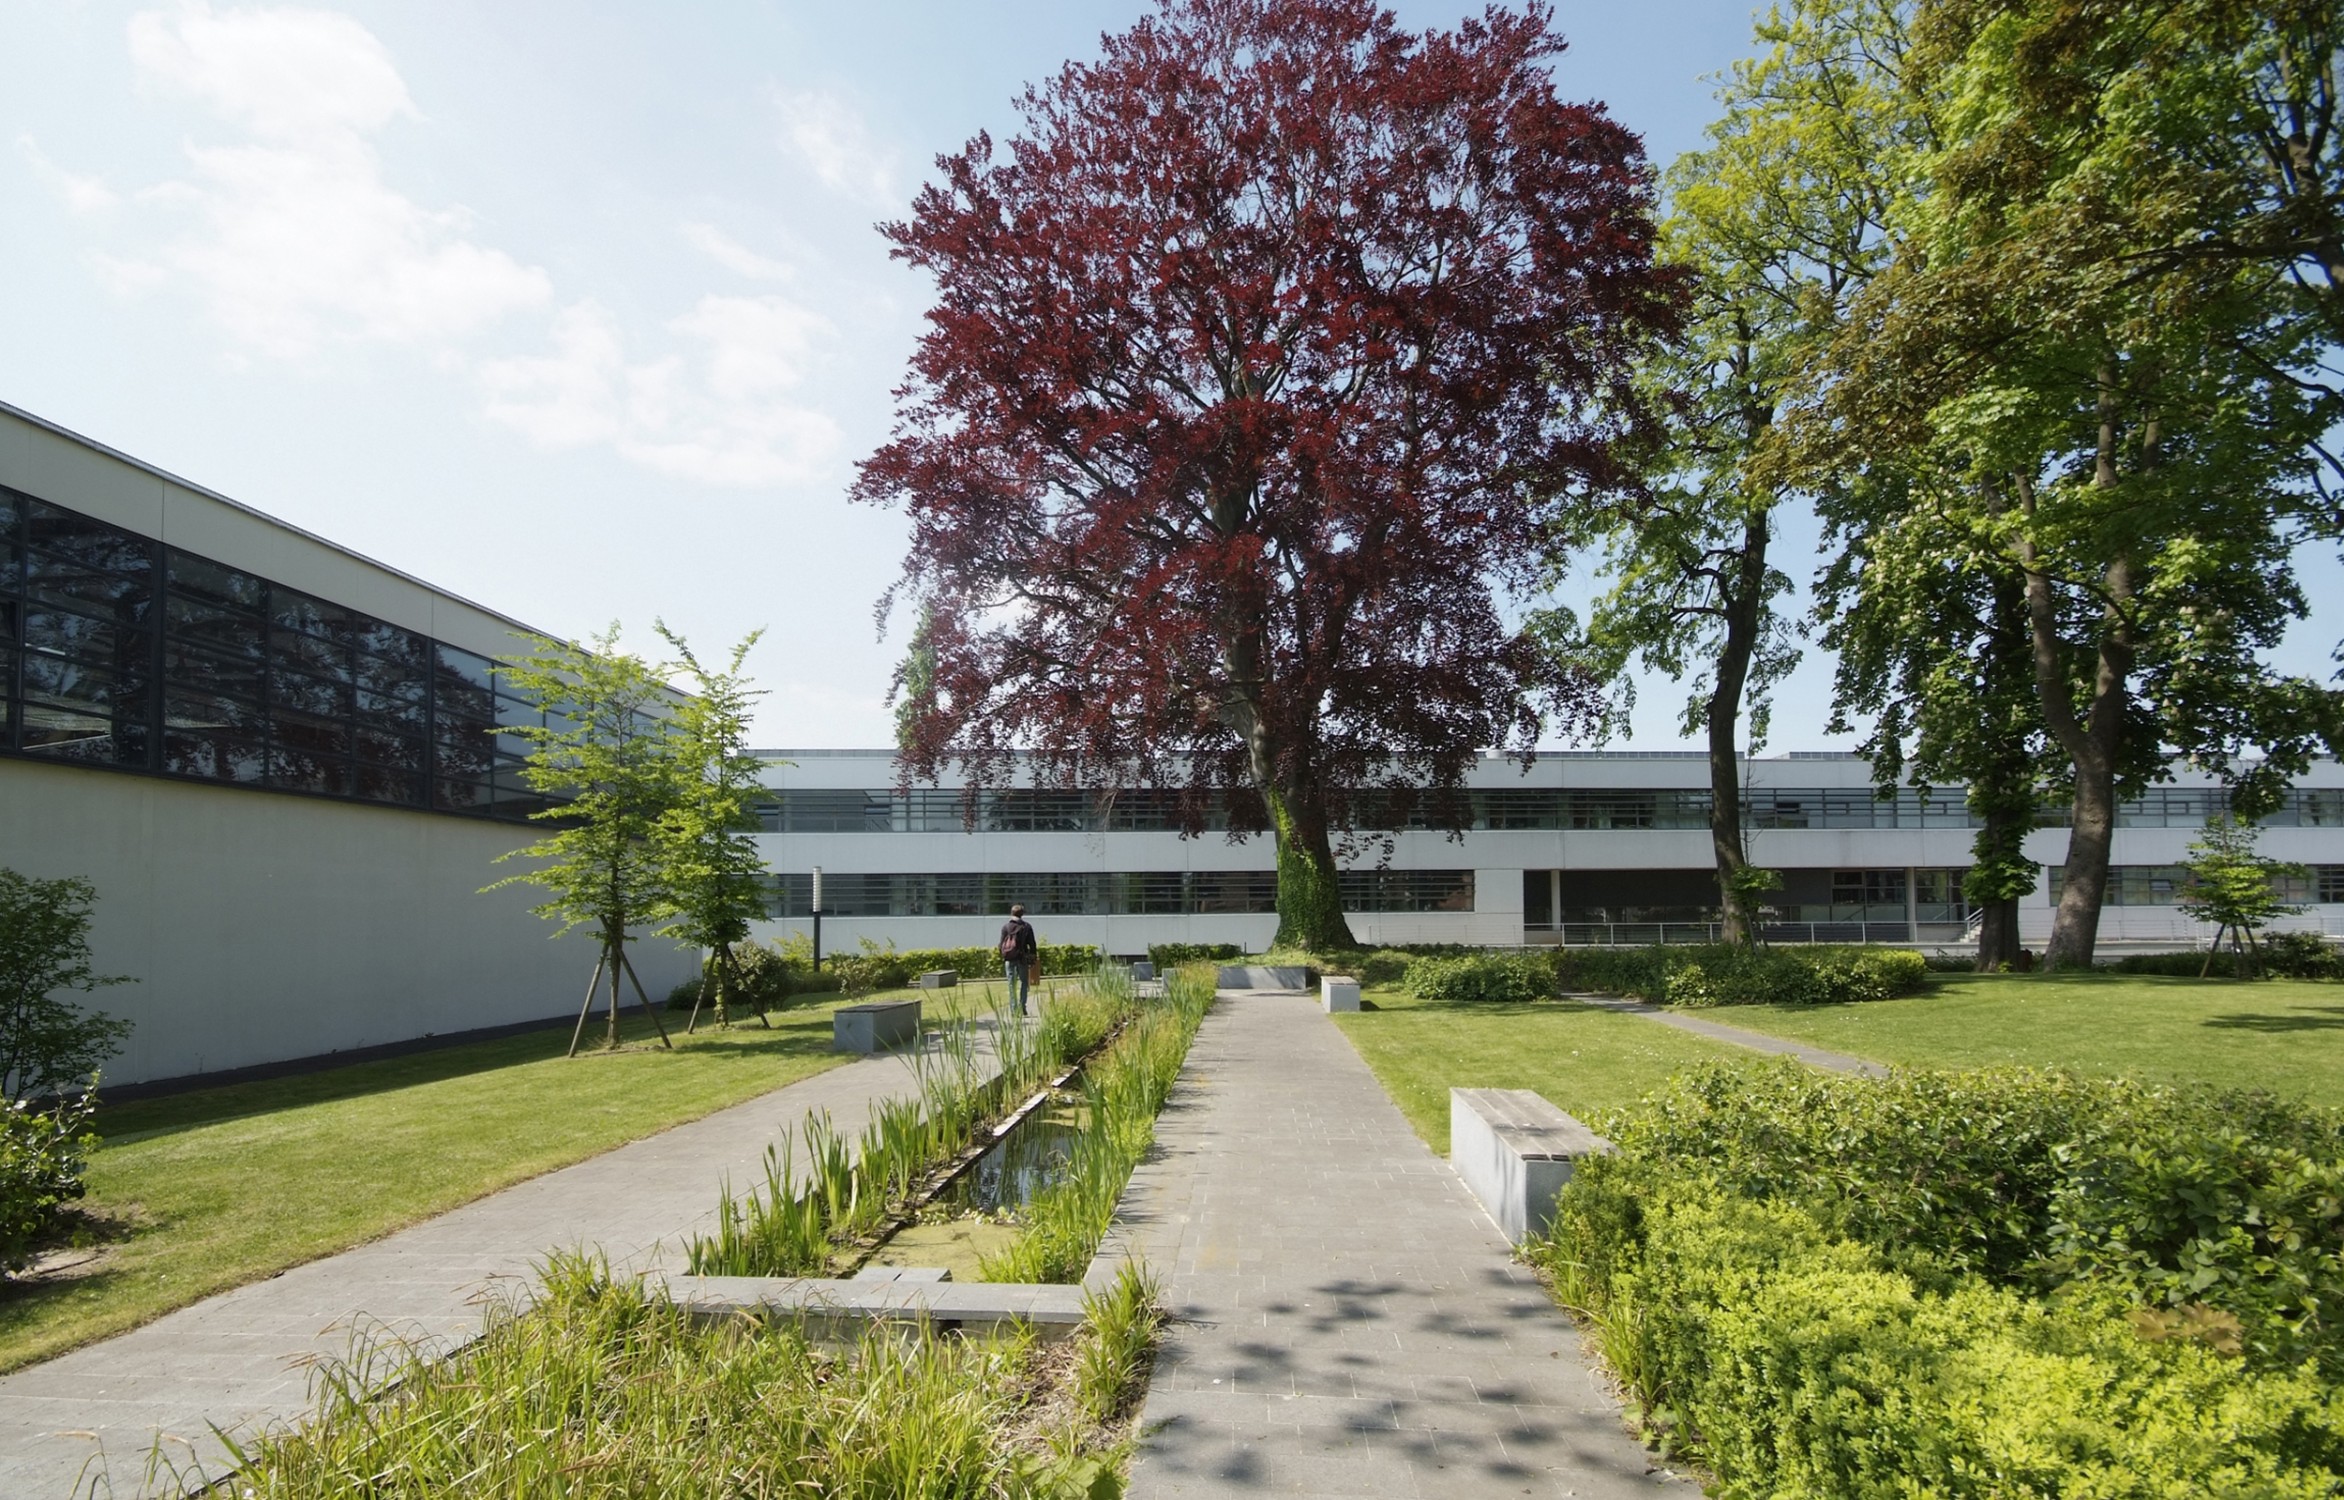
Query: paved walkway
[[1348, 1322], [1756, 1041], [85, 1422]]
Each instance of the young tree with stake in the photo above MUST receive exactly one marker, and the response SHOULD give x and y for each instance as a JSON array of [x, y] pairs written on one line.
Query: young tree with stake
[[1259, 367], [608, 747], [712, 864]]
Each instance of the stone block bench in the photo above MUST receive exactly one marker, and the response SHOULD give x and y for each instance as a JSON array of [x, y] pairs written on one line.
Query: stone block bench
[[874, 1026], [1338, 992], [1264, 977], [839, 1305], [939, 979], [1515, 1150]]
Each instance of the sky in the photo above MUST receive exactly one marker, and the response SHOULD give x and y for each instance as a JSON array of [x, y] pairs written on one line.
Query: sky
[[578, 310]]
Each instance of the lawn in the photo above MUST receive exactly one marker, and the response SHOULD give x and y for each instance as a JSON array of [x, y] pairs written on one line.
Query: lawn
[[229, 1185], [2283, 1035], [1586, 1060]]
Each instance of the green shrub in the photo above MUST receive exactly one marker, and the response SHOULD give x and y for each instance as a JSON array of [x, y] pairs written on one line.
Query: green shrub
[[1503, 977], [1720, 974], [2040, 1182], [2301, 955], [1801, 1366], [1385, 966], [1169, 956], [42, 1156], [48, 1045]]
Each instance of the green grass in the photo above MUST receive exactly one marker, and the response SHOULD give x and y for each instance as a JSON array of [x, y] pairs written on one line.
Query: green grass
[[229, 1185], [1584, 1059], [2283, 1035]]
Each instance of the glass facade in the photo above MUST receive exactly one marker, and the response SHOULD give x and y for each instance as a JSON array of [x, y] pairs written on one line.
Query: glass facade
[[2163, 885], [1144, 893], [117, 650], [1574, 809]]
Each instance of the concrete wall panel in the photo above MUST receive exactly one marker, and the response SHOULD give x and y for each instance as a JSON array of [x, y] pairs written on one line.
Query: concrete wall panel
[[262, 927]]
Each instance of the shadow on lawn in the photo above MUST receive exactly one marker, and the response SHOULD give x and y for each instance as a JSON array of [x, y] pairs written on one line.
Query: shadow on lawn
[[796, 1033], [2301, 1018]]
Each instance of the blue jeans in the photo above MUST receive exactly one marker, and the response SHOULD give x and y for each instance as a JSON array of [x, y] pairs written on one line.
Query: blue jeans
[[1015, 973]]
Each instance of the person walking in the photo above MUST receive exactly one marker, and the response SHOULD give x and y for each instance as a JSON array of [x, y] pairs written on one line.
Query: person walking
[[1019, 952]]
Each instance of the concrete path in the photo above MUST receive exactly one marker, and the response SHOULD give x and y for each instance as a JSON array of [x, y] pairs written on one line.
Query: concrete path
[[86, 1422], [1348, 1321], [1756, 1041]]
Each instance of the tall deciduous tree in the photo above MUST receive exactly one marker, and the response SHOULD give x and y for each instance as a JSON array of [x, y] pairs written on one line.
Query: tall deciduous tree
[[712, 866], [2120, 423], [1255, 371], [607, 749], [47, 1043], [1780, 220]]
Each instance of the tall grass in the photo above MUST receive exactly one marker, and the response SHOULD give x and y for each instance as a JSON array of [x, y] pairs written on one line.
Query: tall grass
[[795, 1223], [602, 1389], [1123, 1090], [1112, 1368]]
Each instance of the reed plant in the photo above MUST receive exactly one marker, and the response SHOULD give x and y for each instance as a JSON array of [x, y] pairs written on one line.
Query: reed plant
[[602, 1388], [793, 1225], [1123, 1090], [1111, 1369]]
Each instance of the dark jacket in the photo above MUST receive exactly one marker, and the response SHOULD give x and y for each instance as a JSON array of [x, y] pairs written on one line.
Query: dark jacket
[[1023, 931]]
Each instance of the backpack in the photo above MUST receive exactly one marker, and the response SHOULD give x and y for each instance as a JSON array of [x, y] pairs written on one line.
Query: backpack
[[1009, 942]]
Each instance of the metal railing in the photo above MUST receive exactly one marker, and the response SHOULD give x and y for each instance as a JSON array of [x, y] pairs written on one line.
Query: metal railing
[[1646, 934]]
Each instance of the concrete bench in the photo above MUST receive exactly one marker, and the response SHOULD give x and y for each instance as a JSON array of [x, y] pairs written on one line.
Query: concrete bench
[[836, 1306], [1142, 970], [1338, 992], [1263, 977], [874, 1026], [1515, 1151], [939, 979]]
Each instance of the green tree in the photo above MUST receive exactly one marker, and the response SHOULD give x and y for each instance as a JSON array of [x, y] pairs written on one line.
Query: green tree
[[608, 751], [710, 861], [1780, 219], [2235, 888], [1930, 638], [47, 1043], [2119, 426]]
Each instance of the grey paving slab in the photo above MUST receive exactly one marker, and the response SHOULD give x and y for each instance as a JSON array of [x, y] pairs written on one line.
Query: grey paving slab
[[1348, 1322], [1756, 1041], [86, 1422]]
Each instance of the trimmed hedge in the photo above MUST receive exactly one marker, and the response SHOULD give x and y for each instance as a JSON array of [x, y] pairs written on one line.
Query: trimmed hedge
[[1993, 1283], [43, 1153], [1719, 974], [1169, 956], [1497, 977]]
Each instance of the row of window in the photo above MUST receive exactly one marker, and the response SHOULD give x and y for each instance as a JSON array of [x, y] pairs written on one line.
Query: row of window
[[1137, 810], [2164, 885], [118, 650], [1139, 893]]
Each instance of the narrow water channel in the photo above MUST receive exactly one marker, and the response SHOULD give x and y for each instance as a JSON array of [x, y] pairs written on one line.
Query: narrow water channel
[[974, 1215]]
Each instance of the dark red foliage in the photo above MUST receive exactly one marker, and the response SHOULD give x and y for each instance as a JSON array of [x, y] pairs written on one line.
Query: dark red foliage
[[1256, 375]]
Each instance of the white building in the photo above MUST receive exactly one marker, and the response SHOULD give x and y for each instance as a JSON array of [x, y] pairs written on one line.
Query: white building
[[277, 760], [1584, 847]]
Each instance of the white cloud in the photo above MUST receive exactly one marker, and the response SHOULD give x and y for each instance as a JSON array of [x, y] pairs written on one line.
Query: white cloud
[[82, 195], [733, 255], [828, 135], [299, 238], [725, 414]]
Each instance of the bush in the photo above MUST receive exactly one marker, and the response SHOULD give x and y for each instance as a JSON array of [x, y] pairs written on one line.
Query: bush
[[1385, 966], [47, 1045], [1169, 956], [2301, 955], [42, 1156], [1502, 977], [1719, 974], [1988, 1283]]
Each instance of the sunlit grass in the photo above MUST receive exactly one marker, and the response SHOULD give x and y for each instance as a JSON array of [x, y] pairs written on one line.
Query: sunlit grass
[[1585, 1059], [2282, 1035], [225, 1186]]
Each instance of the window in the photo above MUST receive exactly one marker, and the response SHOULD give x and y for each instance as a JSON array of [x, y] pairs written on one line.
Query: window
[[118, 650]]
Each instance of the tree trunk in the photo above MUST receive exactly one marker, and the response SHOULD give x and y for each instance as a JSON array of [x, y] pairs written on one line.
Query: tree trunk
[[2093, 742], [1310, 892], [2002, 778], [1743, 596], [614, 951]]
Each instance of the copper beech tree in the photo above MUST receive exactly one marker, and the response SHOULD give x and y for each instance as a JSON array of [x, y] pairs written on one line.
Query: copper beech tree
[[1259, 369]]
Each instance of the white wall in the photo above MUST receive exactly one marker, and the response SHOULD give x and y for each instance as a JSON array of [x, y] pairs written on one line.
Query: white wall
[[263, 926]]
